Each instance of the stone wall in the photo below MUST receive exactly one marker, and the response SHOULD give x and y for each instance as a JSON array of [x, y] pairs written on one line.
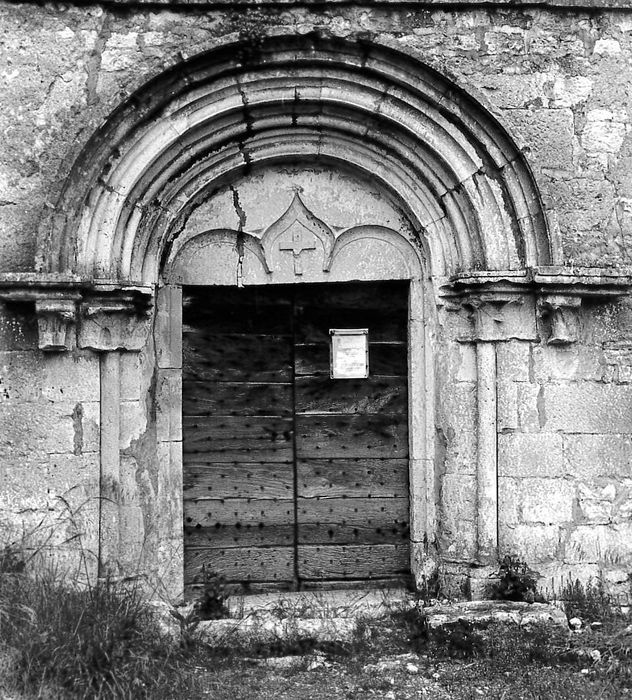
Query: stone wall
[[49, 445], [559, 81], [564, 450]]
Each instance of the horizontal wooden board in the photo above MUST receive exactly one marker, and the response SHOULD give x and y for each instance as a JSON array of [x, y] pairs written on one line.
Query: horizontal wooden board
[[380, 296], [193, 591], [371, 395], [353, 561], [314, 324], [243, 564], [238, 513], [382, 435], [248, 536], [355, 478], [238, 438], [353, 520], [397, 581], [211, 398], [244, 480], [243, 358], [240, 310], [385, 359]]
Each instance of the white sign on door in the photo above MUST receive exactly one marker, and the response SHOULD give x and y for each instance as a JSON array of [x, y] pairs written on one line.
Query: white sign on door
[[349, 353]]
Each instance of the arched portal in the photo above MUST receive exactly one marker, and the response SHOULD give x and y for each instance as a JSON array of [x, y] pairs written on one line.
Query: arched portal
[[465, 187], [428, 185]]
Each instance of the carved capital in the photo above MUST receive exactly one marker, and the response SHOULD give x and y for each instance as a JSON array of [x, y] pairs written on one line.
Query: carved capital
[[500, 317], [559, 317], [114, 323], [56, 320]]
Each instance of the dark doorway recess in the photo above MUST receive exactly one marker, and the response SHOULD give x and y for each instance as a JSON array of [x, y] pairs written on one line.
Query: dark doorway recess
[[293, 480]]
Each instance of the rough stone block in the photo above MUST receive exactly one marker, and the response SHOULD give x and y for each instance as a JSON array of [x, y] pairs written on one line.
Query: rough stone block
[[460, 452], [34, 376], [568, 362], [600, 544], [529, 407], [603, 132], [458, 406], [605, 501], [133, 422], [460, 362], [130, 369], [510, 91], [58, 428], [169, 404], [592, 456], [482, 613], [568, 91], [532, 543], [535, 500], [73, 476], [507, 405], [587, 407], [547, 134], [555, 575], [458, 541], [458, 496], [513, 361], [530, 455], [169, 489], [18, 327]]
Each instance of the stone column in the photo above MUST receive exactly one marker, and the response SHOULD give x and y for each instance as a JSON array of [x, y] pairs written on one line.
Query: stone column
[[109, 531], [487, 458]]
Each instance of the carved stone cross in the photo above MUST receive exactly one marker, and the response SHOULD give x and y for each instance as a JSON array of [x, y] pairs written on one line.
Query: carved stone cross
[[300, 241]]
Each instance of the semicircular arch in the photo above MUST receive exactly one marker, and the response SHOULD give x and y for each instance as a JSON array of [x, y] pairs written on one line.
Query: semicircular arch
[[463, 184]]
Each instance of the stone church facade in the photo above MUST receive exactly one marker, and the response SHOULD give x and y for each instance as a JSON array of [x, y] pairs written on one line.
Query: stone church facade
[[453, 181]]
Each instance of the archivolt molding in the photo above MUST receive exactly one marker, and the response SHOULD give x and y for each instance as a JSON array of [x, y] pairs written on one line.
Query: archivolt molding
[[462, 182]]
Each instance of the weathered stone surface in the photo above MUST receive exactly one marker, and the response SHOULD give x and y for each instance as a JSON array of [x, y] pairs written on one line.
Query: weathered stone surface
[[548, 135], [31, 376], [602, 544], [458, 496], [520, 406], [560, 86], [605, 501], [535, 500], [592, 456], [533, 543], [586, 407], [268, 630], [513, 361], [459, 407], [530, 455], [18, 327], [59, 428], [459, 455], [481, 613], [568, 362]]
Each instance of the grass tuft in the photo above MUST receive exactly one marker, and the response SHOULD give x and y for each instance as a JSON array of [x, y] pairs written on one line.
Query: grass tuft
[[63, 640]]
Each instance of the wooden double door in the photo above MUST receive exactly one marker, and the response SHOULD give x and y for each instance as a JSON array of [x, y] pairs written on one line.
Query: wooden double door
[[293, 479]]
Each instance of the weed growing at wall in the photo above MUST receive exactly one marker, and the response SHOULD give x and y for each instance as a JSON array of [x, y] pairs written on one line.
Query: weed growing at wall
[[516, 581], [68, 641], [590, 602]]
